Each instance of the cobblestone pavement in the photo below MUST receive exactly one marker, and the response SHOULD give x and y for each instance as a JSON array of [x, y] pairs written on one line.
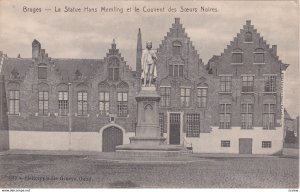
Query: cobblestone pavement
[[91, 170]]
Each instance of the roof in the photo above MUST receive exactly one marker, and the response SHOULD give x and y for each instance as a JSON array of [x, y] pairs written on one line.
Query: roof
[[68, 68], [19, 65]]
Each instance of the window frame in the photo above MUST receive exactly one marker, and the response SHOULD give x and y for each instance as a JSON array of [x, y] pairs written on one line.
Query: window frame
[[83, 102], [266, 144], [193, 125], [14, 103], [122, 105], [225, 83], [43, 103], [185, 99], [247, 85], [165, 96], [248, 123], [269, 116], [225, 143], [104, 102], [225, 115], [63, 104], [201, 97], [270, 83]]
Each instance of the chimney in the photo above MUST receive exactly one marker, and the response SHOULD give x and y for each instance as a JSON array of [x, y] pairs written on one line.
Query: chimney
[[274, 49], [36, 48], [139, 52]]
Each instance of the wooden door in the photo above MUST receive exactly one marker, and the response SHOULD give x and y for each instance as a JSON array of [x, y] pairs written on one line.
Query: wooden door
[[245, 146], [174, 134], [111, 137]]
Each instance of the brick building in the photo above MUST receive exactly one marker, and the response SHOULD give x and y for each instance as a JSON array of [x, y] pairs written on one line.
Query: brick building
[[233, 104]]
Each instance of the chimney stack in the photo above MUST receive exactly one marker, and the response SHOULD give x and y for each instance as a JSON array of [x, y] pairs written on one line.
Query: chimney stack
[[36, 48]]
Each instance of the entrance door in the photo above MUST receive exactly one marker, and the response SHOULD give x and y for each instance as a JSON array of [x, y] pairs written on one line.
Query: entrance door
[[174, 134], [111, 137], [245, 146]]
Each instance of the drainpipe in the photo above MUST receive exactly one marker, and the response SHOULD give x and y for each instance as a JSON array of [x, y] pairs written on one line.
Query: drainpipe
[[70, 114]]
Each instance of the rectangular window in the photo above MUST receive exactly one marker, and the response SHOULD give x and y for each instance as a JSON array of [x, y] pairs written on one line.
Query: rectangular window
[[176, 70], [202, 97], [113, 73], [259, 58], [43, 102], [269, 116], [237, 58], [63, 102], [122, 104], [247, 83], [161, 124], [270, 83], [185, 94], [42, 72], [266, 144], [225, 83], [82, 103], [225, 143], [247, 115], [104, 103], [165, 96], [14, 102], [225, 116], [193, 125]]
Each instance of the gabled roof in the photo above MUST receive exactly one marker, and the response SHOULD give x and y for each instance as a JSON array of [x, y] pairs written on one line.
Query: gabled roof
[[19, 65], [178, 31], [68, 67], [262, 43]]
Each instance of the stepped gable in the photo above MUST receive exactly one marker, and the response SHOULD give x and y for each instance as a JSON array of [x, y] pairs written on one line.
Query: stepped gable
[[177, 31], [258, 40], [114, 52]]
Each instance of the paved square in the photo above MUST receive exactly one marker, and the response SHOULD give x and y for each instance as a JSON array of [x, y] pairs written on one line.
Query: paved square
[[79, 171]]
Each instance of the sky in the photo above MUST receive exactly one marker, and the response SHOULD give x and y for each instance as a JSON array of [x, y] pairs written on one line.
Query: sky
[[89, 35]]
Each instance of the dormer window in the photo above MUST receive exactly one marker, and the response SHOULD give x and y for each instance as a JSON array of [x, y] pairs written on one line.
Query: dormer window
[[248, 37], [176, 48], [78, 75], [259, 56], [14, 74], [42, 71], [237, 56], [113, 69]]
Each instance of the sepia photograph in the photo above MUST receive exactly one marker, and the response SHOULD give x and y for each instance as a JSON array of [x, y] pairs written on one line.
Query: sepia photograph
[[149, 94]]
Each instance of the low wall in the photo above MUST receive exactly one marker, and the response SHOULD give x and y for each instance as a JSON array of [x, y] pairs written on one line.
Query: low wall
[[40, 140], [211, 142]]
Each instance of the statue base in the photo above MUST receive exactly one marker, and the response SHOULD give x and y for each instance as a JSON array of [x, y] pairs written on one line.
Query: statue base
[[148, 140]]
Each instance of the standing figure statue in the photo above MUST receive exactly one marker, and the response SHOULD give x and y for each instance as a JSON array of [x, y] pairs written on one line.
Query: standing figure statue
[[149, 59]]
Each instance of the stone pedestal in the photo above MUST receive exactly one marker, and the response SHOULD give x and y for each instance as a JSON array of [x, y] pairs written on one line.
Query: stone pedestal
[[148, 140]]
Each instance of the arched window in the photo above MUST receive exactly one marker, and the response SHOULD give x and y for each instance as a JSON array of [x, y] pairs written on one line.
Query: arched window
[[113, 69], [42, 71], [248, 37], [237, 56], [176, 48], [104, 98], [259, 55], [13, 98], [82, 99]]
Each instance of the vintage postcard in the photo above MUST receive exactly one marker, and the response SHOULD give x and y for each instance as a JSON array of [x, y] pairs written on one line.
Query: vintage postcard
[[149, 94]]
